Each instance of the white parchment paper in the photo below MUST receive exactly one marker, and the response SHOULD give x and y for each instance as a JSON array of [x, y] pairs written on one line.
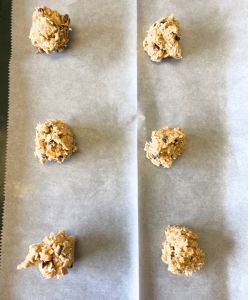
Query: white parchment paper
[[92, 87], [205, 94], [107, 193]]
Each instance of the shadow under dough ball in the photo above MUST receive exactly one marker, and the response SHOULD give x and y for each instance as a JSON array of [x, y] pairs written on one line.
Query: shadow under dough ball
[[54, 141], [50, 30], [162, 39]]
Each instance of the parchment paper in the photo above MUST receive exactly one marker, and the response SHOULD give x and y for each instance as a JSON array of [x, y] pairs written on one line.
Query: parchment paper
[[108, 194], [205, 94], [92, 87]]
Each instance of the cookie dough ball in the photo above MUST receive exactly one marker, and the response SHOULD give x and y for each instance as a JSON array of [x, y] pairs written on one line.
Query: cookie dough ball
[[50, 30], [162, 39], [166, 145], [181, 251], [54, 141], [54, 255]]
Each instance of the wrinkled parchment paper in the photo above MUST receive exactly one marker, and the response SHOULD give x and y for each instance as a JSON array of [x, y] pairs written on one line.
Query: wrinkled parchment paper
[[108, 194]]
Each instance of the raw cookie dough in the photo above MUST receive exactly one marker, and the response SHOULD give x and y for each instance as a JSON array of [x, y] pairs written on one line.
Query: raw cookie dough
[[181, 251], [54, 255], [166, 145], [54, 141], [50, 30], [162, 39]]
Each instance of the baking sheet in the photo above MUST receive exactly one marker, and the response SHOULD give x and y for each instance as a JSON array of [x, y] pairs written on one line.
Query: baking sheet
[[113, 97]]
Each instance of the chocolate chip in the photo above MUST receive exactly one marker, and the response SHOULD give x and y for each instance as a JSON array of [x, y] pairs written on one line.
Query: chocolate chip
[[157, 155], [177, 38], [40, 50], [156, 47], [176, 140], [66, 18], [60, 158], [165, 139], [59, 250], [52, 142], [61, 27], [45, 263], [71, 266]]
